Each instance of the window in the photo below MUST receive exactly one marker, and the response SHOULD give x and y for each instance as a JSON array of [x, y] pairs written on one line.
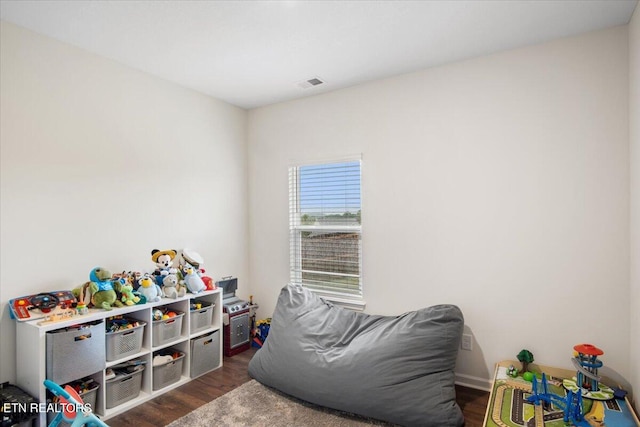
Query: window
[[325, 228]]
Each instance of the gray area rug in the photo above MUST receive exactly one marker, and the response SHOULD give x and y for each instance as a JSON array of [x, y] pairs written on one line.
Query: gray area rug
[[253, 404]]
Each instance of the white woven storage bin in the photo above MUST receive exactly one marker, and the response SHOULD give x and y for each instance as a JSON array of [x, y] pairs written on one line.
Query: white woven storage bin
[[165, 331], [205, 354], [201, 319], [169, 373], [75, 352], [124, 343], [123, 388]]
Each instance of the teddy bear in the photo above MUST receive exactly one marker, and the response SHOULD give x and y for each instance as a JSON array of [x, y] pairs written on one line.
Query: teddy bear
[[171, 288], [164, 262], [149, 289]]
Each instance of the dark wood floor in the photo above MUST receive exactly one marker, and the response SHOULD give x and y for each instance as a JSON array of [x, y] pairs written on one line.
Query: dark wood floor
[[473, 404], [178, 402]]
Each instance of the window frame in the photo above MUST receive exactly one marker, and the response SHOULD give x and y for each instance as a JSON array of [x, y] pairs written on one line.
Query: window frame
[[296, 228]]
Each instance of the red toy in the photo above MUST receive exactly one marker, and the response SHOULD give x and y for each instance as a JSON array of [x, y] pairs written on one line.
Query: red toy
[[37, 306]]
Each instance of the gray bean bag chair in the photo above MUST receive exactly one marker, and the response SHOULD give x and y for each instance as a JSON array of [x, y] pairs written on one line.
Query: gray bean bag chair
[[398, 369]]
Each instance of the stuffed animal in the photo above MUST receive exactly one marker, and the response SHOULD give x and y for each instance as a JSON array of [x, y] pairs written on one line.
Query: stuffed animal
[[190, 256], [133, 278], [191, 280], [122, 284], [171, 288], [126, 294], [103, 295], [149, 289], [208, 281], [164, 262]]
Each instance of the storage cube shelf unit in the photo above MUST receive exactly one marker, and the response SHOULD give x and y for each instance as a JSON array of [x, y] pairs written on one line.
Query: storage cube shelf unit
[[37, 352]]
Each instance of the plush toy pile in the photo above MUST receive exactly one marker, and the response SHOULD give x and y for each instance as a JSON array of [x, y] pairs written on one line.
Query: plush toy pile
[[172, 277]]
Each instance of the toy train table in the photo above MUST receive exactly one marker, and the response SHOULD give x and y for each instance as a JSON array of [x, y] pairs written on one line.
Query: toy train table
[[513, 401]]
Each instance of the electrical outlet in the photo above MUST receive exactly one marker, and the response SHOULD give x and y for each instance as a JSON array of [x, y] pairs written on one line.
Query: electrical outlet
[[467, 342]]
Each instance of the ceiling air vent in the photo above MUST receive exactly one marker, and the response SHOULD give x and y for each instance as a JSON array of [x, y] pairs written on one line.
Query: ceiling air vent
[[311, 83]]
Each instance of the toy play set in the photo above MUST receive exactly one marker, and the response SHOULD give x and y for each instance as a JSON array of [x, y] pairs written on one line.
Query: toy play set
[[32, 307], [551, 397]]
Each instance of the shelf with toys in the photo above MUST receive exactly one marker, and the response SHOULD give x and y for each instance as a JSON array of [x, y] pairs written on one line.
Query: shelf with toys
[[128, 354], [33, 354]]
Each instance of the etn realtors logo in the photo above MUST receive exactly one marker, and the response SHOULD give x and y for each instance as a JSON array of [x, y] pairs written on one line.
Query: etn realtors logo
[[20, 407]]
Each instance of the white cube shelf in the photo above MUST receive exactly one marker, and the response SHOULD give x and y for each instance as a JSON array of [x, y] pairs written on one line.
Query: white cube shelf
[[32, 356]]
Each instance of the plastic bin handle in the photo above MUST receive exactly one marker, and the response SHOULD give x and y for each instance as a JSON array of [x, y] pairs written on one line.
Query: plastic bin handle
[[82, 337]]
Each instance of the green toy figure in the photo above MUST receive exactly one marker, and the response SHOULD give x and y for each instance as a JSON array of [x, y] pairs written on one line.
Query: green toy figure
[[126, 292], [101, 286]]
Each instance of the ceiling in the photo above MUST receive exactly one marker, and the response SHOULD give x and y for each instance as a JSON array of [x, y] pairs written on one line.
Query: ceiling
[[255, 53]]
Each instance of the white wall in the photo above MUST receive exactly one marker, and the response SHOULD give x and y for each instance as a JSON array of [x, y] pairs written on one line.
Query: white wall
[[500, 184], [634, 138], [101, 164]]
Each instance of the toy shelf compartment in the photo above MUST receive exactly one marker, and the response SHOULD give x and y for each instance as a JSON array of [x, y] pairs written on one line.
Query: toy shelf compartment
[[89, 396], [200, 315], [123, 387], [112, 399], [75, 351], [205, 353], [124, 342], [168, 330], [206, 319], [170, 372]]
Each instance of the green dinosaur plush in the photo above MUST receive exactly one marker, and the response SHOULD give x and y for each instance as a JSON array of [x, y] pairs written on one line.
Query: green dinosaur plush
[[126, 292], [102, 293]]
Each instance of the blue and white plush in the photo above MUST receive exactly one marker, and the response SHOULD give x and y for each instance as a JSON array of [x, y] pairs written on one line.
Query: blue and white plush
[[192, 280], [149, 289]]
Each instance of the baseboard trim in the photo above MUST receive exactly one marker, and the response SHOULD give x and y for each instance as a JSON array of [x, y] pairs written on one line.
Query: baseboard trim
[[473, 382]]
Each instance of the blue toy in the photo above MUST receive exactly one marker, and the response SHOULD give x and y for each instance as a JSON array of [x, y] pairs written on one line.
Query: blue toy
[[571, 405], [191, 279], [75, 411], [149, 289]]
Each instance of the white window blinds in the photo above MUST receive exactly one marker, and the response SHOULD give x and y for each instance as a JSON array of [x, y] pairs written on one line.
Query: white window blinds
[[325, 228]]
